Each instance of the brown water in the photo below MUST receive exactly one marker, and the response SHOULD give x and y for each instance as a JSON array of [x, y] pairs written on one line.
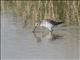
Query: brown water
[[20, 43]]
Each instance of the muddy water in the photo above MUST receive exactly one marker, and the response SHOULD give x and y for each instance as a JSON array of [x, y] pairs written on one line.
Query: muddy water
[[20, 43]]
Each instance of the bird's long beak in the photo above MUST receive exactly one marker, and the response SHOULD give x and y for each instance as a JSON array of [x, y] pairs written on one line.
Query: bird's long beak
[[34, 29]]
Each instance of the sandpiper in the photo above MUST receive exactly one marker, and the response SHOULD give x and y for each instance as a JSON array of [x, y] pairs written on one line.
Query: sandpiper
[[48, 23]]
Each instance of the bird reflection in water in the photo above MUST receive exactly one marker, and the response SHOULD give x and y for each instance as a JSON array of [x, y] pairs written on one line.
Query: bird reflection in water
[[37, 38], [47, 36]]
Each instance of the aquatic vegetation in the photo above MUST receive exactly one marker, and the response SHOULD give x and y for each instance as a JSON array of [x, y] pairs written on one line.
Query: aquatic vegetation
[[67, 11]]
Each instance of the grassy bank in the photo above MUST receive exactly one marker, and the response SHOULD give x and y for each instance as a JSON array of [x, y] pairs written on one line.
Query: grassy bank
[[67, 11]]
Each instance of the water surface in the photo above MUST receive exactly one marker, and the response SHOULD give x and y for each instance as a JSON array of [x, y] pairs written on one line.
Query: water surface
[[20, 43]]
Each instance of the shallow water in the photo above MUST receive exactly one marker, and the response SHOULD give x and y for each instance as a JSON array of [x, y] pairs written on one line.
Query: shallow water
[[20, 43]]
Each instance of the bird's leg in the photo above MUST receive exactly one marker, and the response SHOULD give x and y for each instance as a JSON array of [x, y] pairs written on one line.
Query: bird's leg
[[52, 29], [51, 32]]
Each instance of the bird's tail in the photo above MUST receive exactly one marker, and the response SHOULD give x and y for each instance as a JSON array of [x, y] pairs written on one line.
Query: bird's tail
[[60, 22]]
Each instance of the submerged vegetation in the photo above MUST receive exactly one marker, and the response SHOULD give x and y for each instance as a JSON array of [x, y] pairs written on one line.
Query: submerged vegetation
[[67, 11]]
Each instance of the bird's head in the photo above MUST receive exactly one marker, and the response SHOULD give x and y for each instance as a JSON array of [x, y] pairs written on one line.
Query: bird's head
[[37, 23]]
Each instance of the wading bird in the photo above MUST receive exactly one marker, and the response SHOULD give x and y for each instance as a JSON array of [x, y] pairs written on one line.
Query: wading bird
[[48, 23]]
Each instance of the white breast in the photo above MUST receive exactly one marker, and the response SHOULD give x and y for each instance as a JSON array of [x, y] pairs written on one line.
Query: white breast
[[46, 24]]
